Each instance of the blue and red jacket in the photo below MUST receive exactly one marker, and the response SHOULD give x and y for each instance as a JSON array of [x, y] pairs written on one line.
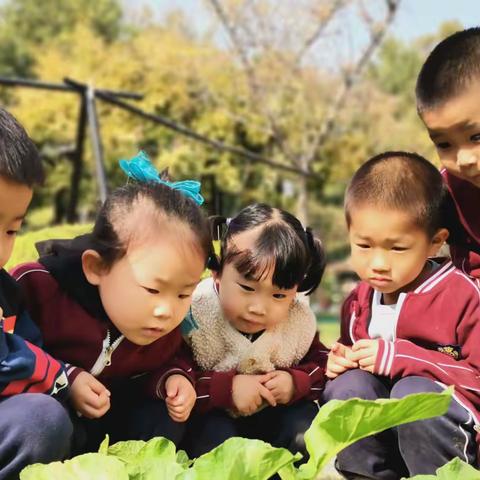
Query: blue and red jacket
[[24, 366]]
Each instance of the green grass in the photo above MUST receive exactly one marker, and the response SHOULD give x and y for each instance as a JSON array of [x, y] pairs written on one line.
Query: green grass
[[329, 332]]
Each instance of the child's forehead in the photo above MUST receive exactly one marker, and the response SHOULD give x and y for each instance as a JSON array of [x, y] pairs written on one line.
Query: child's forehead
[[14, 199], [459, 112], [375, 217]]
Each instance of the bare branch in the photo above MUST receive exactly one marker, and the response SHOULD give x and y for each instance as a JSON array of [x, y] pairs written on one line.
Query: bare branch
[[237, 45], [319, 31], [350, 78]]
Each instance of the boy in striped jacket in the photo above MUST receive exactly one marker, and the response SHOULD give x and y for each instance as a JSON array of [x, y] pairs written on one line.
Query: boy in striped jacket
[[412, 324], [34, 425]]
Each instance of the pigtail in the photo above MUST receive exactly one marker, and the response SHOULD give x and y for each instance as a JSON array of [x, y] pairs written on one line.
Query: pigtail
[[316, 266], [218, 227]]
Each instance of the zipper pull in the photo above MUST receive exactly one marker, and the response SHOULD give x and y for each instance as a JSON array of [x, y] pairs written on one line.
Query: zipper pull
[[108, 356]]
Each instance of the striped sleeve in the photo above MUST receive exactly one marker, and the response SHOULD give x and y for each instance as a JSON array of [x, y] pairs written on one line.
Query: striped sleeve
[[26, 368]]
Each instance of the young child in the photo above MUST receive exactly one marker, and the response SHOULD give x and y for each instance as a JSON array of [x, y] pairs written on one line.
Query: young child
[[412, 324], [448, 102], [255, 342], [110, 303], [34, 425]]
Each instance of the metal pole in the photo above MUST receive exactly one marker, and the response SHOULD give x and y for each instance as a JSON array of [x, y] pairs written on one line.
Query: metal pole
[[77, 163], [96, 142], [70, 87]]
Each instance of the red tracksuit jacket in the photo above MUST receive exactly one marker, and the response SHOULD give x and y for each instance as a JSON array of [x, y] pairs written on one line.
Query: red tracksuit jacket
[[69, 313], [465, 236], [437, 335]]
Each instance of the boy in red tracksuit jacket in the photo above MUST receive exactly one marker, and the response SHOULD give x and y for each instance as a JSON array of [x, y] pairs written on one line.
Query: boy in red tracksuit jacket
[[412, 325], [448, 103], [33, 424]]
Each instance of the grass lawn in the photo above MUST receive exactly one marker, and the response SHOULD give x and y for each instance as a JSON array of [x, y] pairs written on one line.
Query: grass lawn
[[329, 332]]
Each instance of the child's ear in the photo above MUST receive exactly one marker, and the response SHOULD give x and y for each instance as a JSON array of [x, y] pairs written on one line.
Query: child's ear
[[93, 266], [438, 240]]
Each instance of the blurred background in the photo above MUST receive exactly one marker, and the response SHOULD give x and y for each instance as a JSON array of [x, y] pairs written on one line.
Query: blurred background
[[263, 100]]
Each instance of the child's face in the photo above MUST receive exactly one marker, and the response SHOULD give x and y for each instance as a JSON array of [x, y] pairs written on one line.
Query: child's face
[[148, 292], [251, 305], [454, 128], [14, 201], [388, 250]]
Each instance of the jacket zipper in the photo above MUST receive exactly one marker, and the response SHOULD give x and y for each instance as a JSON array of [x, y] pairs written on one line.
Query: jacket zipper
[[105, 357]]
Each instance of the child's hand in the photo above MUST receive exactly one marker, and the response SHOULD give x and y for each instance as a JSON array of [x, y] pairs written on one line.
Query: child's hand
[[365, 352], [281, 386], [339, 360], [180, 398], [248, 393], [89, 397]]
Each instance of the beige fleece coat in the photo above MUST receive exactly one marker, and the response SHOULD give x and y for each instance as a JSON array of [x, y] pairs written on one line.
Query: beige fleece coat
[[218, 346]]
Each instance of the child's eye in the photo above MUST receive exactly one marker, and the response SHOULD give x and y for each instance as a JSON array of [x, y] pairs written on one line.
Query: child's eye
[[12, 232], [246, 287], [399, 249], [153, 291], [183, 296], [362, 245], [442, 145], [475, 138], [279, 295]]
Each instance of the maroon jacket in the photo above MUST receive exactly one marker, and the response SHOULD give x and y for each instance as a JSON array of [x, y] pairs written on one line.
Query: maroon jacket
[[465, 236], [74, 325], [214, 389], [437, 334]]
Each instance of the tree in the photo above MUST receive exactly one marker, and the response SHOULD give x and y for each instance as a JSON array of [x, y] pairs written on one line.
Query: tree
[[288, 93], [28, 24]]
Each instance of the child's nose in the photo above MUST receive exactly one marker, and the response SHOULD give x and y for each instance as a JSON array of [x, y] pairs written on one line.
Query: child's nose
[[162, 310], [257, 308], [466, 158], [379, 262]]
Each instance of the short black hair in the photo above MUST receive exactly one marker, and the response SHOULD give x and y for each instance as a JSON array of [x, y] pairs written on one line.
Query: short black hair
[[401, 181], [449, 68], [19, 158], [297, 257]]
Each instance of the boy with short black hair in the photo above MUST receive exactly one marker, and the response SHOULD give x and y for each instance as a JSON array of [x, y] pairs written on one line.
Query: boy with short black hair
[[412, 325], [33, 424], [448, 102]]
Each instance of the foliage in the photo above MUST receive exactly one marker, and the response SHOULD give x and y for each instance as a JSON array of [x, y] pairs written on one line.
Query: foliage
[[195, 80], [337, 425]]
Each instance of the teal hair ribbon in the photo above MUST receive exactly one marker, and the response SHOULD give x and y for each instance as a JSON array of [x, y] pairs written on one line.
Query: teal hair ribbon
[[140, 168]]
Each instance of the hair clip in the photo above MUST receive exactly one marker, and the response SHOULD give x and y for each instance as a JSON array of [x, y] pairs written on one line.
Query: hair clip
[[228, 221], [140, 168]]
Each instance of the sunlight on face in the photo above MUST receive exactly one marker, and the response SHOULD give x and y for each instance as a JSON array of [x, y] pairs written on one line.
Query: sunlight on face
[[252, 305], [147, 293], [14, 201], [454, 128], [388, 250]]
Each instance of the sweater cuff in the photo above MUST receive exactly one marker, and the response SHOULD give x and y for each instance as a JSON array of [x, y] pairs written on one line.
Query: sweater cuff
[[221, 387], [301, 382], [72, 372], [160, 389]]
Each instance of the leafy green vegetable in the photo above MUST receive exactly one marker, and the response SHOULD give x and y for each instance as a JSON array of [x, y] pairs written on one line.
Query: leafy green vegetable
[[239, 458], [152, 460], [456, 468], [83, 467], [338, 424]]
